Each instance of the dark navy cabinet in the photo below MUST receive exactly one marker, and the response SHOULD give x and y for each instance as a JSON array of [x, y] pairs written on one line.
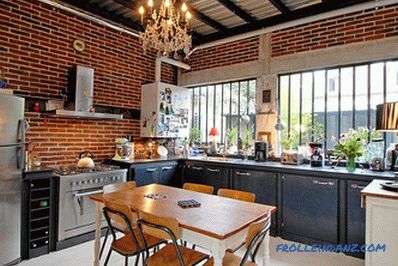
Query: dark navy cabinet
[[207, 174], [309, 209], [165, 173], [355, 214], [262, 184]]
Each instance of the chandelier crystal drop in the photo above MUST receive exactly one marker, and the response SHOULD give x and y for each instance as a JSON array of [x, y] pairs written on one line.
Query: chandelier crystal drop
[[166, 28]]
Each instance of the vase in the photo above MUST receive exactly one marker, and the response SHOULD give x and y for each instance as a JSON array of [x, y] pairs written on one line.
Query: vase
[[351, 165]]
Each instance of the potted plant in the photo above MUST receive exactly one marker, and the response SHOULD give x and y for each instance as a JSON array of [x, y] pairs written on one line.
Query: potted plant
[[247, 143], [351, 145], [231, 137]]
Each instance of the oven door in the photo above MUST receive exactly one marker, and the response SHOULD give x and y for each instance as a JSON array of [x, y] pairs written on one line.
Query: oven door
[[77, 213]]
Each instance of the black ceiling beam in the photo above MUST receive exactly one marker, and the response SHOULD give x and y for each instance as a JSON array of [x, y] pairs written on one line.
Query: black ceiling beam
[[129, 4], [237, 10], [280, 6], [102, 12], [202, 17], [281, 18]]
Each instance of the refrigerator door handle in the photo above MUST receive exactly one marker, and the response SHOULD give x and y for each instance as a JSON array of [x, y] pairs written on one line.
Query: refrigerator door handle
[[21, 141]]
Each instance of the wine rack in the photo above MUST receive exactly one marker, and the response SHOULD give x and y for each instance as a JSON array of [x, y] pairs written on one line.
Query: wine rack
[[38, 219]]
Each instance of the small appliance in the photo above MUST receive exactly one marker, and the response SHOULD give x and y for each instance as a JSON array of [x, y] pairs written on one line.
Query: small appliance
[[316, 158], [261, 149], [123, 149]]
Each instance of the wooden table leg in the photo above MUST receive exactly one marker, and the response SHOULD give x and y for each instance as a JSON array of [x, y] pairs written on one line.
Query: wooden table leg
[[218, 251], [97, 241]]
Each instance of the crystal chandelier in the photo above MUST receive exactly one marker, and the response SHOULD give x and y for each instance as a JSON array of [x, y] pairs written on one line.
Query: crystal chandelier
[[166, 29]]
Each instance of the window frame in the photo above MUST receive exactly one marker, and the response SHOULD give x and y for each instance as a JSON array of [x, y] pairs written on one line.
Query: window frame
[[368, 64], [229, 118]]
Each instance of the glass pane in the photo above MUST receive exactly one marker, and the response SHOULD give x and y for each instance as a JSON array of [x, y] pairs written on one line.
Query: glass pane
[[361, 96], [196, 113], [243, 98], [226, 105], [332, 121], [295, 127], [252, 96], [376, 90], [203, 113], [347, 99], [319, 99], [218, 106], [235, 98], [306, 108], [284, 99], [391, 93], [210, 108]]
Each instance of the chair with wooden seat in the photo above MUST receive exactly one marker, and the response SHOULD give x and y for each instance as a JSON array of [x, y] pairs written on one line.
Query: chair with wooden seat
[[255, 236], [237, 194], [117, 222], [132, 242], [172, 254], [198, 188]]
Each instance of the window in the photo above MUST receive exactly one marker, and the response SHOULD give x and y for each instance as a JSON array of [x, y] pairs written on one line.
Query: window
[[322, 104], [225, 106]]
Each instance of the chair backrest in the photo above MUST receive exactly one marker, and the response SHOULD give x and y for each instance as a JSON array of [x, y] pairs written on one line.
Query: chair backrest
[[122, 212], [162, 227], [198, 188], [119, 187], [167, 222], [237, 194], [255, 236]]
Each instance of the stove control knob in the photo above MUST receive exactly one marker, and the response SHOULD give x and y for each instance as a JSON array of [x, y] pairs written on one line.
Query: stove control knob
[[91, 181], [84, 182], [97, 180]]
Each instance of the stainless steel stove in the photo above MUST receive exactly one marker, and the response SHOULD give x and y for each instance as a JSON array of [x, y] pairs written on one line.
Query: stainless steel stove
[[76, 213]]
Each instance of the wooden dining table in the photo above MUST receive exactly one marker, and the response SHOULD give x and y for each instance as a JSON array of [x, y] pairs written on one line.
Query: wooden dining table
[[218, 224]]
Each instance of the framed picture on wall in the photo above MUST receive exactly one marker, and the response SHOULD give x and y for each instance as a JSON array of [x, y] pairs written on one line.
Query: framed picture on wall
[[266, 96]]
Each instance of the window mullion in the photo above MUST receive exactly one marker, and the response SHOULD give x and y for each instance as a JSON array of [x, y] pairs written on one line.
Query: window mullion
[[301, 109], [326, 108], [339, 106], [312, 105]]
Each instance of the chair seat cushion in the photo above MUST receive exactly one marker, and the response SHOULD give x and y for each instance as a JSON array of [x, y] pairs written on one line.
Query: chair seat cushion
[[167, 256], [231, 259], [125, 245]]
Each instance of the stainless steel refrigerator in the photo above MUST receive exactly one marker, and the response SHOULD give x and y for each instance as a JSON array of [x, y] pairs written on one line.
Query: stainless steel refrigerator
[[12, 138]]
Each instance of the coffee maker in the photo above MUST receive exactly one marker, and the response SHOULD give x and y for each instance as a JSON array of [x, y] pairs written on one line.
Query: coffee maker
[[261, 149], [316, 159]]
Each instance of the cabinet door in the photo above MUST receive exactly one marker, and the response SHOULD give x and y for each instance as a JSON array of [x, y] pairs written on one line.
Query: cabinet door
[[217, 177], [310, 208], [168, 174], [147, 174], [194, 174], [261, 183], [214, 176], [355, 214]]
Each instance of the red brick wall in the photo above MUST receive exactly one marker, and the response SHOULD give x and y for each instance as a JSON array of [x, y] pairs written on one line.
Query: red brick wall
[[36, 52], [356, 27], [241, 51]]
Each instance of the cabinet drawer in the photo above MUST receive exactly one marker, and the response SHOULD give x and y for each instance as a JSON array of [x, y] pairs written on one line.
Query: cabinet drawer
[[145, 175], [207, 174]]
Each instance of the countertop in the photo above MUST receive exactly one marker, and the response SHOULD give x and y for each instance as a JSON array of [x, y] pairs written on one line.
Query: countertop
[[374, 189], [325, 171]]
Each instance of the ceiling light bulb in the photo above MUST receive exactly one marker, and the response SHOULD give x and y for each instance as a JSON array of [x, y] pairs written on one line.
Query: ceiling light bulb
[[184, 7], [150, 3], [167, 3], [141, 10], [169, 22], [188, 15]]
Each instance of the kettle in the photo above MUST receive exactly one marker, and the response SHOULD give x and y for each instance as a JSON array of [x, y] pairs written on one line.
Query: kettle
[[85, 160]]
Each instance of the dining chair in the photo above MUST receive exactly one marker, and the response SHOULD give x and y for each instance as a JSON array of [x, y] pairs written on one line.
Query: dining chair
[[198, 188], [117, 222], [237, 194], [171, 254], [131, 243], [255, 236]]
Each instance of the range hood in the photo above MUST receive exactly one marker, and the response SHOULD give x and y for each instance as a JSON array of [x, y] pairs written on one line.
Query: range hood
[[80, 96]]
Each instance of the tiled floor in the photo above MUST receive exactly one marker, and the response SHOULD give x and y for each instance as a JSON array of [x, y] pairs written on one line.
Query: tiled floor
[[82, 255]]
